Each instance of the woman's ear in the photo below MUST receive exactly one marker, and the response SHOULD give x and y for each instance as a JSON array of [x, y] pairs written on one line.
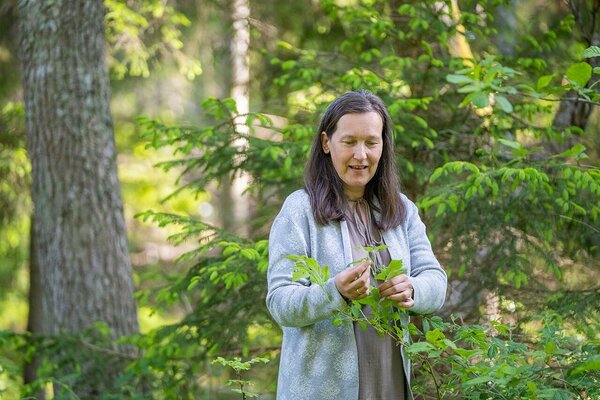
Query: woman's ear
[[325, 142]]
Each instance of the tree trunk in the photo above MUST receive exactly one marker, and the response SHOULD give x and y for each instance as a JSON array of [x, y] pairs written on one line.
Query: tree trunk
[[79, 242], [234, 207]]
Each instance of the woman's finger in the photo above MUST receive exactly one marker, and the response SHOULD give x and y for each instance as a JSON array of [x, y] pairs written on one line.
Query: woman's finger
[[400, 292], [359, 269], [353, 283], [396, 289], [394, 281], [395, 285], [401, 296], [406, 304]]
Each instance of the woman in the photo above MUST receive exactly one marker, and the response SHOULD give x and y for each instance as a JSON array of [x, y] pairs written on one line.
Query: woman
[[351, 199]]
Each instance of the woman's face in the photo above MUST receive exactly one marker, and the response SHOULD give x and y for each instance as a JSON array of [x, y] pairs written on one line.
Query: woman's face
[[355, 148]]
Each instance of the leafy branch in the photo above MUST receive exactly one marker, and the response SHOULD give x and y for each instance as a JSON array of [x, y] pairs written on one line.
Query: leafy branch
[[239, 366]]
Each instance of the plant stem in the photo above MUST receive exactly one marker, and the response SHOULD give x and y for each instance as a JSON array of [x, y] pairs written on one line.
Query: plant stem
[[437, 385], [239, 376]]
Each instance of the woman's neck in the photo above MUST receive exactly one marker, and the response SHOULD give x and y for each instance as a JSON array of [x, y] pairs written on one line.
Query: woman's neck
[[354, 196]]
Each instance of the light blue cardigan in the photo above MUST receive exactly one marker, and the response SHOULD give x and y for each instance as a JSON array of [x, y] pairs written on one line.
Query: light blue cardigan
[[318, 359]]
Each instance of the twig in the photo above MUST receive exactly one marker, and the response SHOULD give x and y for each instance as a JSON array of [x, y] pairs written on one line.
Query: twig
[[107, 351], [580, 222], [568, 384], [435, 382], [497, 392], [575, 99]]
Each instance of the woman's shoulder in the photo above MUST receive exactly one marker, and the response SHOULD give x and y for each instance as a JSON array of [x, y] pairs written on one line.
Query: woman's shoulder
[[296, 203], [408, 203], [411, 210], [299, 196]]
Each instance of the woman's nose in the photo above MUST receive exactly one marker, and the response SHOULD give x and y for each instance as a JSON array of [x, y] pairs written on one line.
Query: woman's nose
[[360, 152]]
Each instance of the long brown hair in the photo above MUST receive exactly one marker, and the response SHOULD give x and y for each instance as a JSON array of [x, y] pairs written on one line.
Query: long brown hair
[[324, 186]]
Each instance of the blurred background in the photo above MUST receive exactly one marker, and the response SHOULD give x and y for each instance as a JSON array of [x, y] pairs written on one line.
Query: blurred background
[[213, 107]]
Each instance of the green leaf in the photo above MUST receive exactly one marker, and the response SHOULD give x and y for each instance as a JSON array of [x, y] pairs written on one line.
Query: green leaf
[[419, 347], [459, 79], [284, 45], [470, 88], [435, 337], [250, 254], [306, 267], [287, 65], [580, 73], [591, 365], [593, 51], [510, 143], [193, 282], [576, 151], [393, 269], [504, 104], [371, 300], [543, 82], [477, 381], [381, 247], [436, 174], [479, 99], [465, 353]]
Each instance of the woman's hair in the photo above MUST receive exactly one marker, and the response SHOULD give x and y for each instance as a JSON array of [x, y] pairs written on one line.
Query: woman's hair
[[324, 186]]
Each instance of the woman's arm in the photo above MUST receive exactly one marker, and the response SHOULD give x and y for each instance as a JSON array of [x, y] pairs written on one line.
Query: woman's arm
[[427, 276], [295, 304]]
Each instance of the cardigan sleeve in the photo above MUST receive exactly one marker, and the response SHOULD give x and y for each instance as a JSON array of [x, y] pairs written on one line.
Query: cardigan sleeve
[[427, 276], [301, 303]]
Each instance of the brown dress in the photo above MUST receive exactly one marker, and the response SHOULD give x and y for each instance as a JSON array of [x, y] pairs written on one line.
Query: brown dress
[[380, 368]]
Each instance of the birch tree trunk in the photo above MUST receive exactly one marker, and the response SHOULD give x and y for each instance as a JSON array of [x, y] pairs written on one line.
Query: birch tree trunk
[[78, 227], [234, 207]]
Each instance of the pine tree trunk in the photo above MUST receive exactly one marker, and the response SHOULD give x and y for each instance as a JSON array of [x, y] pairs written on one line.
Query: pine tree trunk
[[78, 227]]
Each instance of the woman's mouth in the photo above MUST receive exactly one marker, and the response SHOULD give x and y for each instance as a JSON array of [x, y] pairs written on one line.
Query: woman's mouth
[[358, 167]]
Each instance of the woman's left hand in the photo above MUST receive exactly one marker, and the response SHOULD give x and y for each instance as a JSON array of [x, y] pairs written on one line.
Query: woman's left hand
[[399, 289]]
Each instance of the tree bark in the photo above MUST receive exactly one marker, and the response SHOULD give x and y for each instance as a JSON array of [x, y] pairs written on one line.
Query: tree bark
[[234, 207], [79, 241]]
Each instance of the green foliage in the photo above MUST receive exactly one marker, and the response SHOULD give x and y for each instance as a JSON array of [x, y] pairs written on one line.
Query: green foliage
[[483, 79], [510, 200], [487, 172], [507, 191], [493, 362], [308, 268], [238, 367], [140, 32], [382, 311], [473, 361], [14, 199]]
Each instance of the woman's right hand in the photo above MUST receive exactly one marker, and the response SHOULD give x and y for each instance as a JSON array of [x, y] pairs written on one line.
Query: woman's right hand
[[353, 283]]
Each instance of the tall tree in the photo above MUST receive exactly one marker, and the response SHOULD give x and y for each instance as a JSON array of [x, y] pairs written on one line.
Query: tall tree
[[79, 243], [233, 208]]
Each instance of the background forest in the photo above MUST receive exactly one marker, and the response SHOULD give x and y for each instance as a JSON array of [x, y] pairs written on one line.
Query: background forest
[[133, 286]]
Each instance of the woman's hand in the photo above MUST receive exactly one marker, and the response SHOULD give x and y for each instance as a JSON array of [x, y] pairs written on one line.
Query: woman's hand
[[353, 283], [399, 289]]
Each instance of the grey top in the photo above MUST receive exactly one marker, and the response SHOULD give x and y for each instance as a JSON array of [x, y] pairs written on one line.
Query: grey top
[[380, 369], [319, 360]]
